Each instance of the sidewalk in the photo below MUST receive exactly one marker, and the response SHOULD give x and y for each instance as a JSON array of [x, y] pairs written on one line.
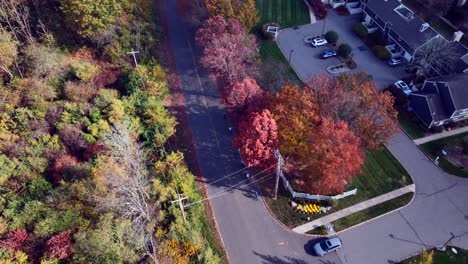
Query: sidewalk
[[444, 134], [313, 19], [353, 209]]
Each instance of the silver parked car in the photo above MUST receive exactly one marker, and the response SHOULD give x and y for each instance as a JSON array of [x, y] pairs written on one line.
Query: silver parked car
[[403, 86], [327, 246], [317, 42]]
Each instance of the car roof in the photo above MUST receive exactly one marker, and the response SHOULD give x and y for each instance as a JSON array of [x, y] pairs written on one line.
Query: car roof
[[334, 241]]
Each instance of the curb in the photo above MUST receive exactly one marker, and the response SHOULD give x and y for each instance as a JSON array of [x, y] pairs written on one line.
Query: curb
[[379, 216], [281, 223]]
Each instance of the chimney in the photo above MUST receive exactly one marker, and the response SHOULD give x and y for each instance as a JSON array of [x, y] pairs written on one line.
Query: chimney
[[457, 36], [424, 26]]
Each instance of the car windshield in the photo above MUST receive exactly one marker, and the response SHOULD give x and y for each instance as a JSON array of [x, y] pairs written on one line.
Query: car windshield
[[324, 246]]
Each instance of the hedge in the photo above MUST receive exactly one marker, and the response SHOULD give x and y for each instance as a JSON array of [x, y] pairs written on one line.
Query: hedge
[[381, 52], [360, 30], [331, 36], [344, 50]]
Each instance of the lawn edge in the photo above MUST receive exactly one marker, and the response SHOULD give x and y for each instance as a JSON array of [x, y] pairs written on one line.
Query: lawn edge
[[379, 216]]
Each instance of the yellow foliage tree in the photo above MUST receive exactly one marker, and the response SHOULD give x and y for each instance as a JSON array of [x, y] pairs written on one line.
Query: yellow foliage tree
[[247, 14], [244, 11], [424, 258], [222, 8], [172, 251], [8, 52]]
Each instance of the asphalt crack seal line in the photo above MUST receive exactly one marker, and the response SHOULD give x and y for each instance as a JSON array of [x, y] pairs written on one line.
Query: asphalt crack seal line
[[412, 228]]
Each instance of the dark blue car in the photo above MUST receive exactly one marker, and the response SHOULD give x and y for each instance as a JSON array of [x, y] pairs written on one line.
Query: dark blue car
[[327, 54]]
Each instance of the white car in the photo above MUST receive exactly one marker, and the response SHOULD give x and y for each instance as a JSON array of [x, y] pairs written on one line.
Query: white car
[[327, 246], [403, 86], [317, 42]]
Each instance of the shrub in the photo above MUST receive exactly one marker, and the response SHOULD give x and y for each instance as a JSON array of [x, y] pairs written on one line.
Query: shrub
[[79, 92], [360, 30], [381, 52], [319, 8], [344, 50], [342, 10], [331, 36], [376, 38], [84, 70], [265, 33]]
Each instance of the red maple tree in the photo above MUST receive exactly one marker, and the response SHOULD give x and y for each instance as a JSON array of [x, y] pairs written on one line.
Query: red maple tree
[[227, 49], [335, 156], [62, 163], [60, 246], [15, 240], [257, 139], [242, 93]]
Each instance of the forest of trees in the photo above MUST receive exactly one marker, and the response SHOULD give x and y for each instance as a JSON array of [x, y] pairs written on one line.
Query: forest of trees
[[85, 172]]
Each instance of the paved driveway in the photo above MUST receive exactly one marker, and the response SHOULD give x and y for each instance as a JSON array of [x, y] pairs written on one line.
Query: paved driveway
[[304, 59]]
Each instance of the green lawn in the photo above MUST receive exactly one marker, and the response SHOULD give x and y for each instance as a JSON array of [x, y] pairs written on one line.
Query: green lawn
[[287, 13], [433, 149], [445, 257], [372, 212], [269, 50], [382, 173]]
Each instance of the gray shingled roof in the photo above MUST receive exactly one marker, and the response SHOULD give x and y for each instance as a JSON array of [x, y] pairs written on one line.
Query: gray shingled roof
[[443, 96], [458, 88], [407, 30]]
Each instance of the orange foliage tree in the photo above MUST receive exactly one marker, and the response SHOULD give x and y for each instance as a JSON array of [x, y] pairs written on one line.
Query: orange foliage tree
[[335, 157], [296, 113], [257, 139]]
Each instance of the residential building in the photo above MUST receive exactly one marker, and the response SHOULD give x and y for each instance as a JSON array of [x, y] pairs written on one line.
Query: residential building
[[441, 100], [405, 33], [403, 30]]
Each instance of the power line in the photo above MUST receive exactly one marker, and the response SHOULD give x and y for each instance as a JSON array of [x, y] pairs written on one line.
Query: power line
[[232, 187], [227, 176]]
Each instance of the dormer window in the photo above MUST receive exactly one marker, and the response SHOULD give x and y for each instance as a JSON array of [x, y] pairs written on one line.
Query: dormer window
[[404, 12], [424, 26]]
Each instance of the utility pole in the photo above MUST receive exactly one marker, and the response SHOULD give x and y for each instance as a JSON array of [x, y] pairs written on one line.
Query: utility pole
[[324, 23], [181, 197], [133, 53], [278, 171], [290, 53]]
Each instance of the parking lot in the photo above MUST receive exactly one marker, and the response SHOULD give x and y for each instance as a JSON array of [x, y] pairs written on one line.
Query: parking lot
[[305, 59]]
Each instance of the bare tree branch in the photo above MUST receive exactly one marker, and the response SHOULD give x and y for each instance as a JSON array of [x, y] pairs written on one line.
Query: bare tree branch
[[438, 55], [15, 15], [128, 188]]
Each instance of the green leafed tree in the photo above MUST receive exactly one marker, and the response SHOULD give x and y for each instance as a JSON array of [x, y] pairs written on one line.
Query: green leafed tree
[[90, 18]]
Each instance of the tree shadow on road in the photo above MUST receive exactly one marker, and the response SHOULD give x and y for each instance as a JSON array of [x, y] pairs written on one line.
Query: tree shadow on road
[[267, 259]]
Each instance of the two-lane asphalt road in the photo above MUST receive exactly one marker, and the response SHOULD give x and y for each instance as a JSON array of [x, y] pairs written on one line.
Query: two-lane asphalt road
[[250, 234]]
